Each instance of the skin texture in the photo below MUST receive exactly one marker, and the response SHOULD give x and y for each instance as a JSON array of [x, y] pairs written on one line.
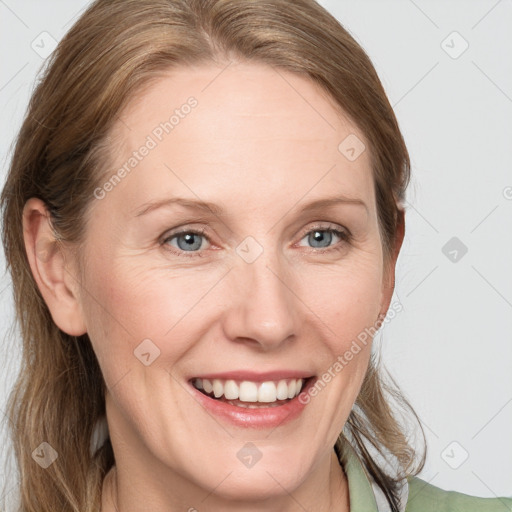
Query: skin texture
[[260, 143]]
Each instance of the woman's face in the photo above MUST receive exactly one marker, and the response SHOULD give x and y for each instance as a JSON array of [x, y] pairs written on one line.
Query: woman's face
[[267, 286]]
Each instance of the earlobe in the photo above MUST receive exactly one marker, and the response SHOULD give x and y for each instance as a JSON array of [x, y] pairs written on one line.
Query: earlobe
[[49, 262]]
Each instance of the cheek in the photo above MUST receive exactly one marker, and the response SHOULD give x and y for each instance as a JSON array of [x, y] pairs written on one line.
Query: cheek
[[346, 299], [345, 304], [129, 303]]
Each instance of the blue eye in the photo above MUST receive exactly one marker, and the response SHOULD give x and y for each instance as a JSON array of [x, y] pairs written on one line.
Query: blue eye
[[189, 243], [321, 238]]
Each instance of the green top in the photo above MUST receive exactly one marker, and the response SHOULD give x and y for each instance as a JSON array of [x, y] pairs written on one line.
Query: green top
[[421, 496]]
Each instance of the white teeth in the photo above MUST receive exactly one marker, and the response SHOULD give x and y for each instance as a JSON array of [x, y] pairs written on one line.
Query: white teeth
[[282, 390], [230, 390], [291, 389], [218, 388], [267, 392], [207, 385], [248, 391]]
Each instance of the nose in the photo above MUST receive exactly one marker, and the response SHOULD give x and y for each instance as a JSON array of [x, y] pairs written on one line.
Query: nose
[[263, 309]]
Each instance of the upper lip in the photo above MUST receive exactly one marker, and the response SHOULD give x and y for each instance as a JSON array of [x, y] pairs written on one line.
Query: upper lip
[[253, 376]]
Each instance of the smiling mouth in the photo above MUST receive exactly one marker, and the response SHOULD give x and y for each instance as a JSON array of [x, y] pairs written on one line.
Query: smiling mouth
[[249, 394]]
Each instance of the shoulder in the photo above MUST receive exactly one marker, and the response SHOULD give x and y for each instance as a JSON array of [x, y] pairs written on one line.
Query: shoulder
[[424, 497]]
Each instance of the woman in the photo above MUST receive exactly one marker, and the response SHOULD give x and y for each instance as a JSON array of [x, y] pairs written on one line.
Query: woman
[[202, 220]]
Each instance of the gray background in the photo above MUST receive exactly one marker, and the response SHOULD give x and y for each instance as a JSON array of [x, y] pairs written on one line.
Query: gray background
[[450, 348]]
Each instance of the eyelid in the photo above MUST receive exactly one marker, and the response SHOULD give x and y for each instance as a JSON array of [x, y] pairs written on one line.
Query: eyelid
[[343, 232], [184, 229], [181, 231], [325, 226]]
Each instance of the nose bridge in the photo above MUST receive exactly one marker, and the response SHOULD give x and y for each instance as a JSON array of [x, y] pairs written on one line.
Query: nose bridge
[[264, 308]]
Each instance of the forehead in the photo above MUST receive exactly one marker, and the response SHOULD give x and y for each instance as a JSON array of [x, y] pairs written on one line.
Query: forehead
[[246, 129]]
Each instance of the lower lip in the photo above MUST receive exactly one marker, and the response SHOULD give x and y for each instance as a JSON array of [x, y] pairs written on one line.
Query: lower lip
[[260, 418]]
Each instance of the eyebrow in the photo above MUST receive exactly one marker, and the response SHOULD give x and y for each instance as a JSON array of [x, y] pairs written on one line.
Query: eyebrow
[[217, 210]]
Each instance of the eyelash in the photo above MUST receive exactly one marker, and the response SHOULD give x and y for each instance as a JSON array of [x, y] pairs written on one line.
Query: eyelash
[[344, 235]]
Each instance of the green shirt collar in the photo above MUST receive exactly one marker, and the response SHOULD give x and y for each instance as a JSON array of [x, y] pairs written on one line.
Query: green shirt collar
[[364, 494]]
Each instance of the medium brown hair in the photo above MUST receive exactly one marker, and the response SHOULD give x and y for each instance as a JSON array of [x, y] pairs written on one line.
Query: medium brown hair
[[114, 50]]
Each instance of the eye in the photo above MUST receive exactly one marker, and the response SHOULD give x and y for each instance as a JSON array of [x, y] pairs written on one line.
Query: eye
[[187, 241], [321, 237], [190, 242]]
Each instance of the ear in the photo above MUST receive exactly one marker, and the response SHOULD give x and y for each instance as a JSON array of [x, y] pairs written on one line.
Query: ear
[[49, 261], [388, 283]]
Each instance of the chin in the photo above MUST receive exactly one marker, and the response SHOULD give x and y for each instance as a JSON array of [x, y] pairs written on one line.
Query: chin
[[256, 485]]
